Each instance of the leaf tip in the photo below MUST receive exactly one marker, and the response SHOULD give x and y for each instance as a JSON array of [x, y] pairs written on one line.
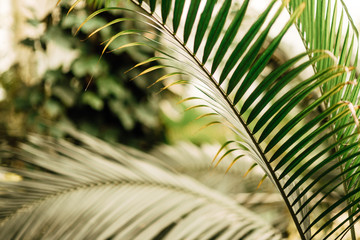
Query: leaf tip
[[261, 181], [249, 170]]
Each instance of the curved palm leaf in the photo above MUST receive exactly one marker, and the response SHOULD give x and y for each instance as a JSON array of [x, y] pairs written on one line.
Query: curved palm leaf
[[98, 191], [282, 140], [339, 36]]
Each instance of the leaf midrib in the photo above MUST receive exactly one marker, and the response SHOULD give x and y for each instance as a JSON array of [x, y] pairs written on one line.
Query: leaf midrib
[[119, 183], [236, 112]]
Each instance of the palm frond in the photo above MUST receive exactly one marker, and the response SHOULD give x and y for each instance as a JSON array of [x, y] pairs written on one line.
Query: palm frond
[[93, 190], [195, 161], [288, 143], [240, 182], [339, 36]]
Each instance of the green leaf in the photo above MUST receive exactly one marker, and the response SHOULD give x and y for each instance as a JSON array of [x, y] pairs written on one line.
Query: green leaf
[[165, 9], [263, 59], [92, 100], [229, 35], [179, 7], [307, 140], [251, 55], [190, 18], [290, 105], [243, 44], [316, 168], [153, 5], [203, 23], [295, 120], [323, 76], [216, 28], [275, 75]]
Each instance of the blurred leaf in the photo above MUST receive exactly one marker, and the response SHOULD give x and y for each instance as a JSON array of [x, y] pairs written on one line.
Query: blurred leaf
[[109, 87], [87, 66], [33, 22], [72, 186], [122, 113], [28, 42], [55, 35], [52, 108], [65, 94], [146, 115], [92, 100], [108, 109]]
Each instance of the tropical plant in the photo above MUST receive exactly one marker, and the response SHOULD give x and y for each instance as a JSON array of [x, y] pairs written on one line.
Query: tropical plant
[[300, 152], [308, 155], [96, 190]]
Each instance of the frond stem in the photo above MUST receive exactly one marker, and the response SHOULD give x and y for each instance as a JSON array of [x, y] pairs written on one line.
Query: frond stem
[[119, 183], [236, 112]]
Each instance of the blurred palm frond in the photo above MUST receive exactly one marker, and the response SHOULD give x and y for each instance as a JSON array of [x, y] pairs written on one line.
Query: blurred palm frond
[[94, 190]]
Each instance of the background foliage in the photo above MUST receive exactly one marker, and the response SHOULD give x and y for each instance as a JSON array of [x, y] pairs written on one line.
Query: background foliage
[[113, 106]]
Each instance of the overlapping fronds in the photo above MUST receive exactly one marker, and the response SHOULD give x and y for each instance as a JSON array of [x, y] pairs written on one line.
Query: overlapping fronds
[[94, 190], [328, 25], [195, 161], [298, 148]]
